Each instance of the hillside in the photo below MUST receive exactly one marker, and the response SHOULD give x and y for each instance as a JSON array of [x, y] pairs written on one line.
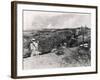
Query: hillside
[[65, 43]]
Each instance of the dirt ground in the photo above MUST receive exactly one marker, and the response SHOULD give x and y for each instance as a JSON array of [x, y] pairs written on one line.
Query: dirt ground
[[51, 60]]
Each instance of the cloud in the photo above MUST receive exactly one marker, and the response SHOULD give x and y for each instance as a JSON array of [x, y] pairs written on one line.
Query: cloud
[[39, 20]]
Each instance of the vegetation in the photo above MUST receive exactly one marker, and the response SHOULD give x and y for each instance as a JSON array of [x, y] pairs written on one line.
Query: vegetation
[[66, 42]]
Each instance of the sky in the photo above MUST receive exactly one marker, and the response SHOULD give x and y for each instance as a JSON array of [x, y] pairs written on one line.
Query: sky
[[36, 20]]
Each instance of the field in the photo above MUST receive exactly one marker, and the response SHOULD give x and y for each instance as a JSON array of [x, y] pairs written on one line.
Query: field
[[58, 47]]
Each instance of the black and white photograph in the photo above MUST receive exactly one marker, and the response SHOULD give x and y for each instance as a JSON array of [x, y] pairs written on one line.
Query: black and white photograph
[[53, 39], [56, 39]]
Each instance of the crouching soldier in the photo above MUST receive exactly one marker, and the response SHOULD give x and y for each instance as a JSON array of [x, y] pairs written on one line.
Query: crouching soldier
[[34, 47]]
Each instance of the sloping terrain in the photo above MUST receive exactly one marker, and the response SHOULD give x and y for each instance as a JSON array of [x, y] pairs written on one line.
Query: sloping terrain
[[52, 60], [67, 43]]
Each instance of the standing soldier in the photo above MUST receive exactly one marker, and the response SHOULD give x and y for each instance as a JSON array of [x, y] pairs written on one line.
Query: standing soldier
[[34, 47]]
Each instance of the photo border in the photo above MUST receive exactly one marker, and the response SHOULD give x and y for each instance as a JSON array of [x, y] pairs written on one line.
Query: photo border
[[14, 37]]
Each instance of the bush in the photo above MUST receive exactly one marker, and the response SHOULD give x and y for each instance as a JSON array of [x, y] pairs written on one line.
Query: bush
[[53, 41], [80, 57], [27, 53]]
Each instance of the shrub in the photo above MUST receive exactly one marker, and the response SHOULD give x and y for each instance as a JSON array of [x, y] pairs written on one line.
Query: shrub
[[27, 53], [79, 57], [55, 40]]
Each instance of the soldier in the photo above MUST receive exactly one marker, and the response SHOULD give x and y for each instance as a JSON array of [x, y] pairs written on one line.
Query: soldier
[[34, 47]]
